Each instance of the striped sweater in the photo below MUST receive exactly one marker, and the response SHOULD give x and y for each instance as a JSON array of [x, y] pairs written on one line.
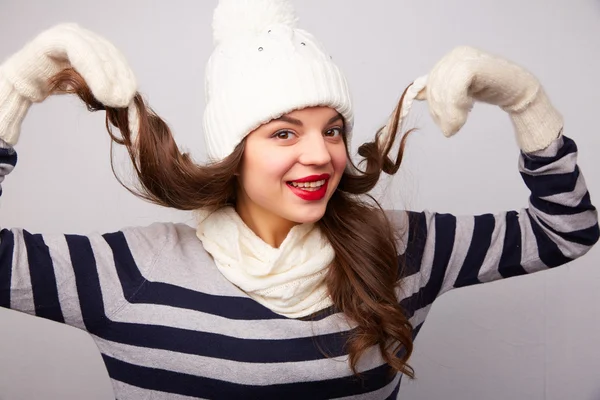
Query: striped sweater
[[170, 326]]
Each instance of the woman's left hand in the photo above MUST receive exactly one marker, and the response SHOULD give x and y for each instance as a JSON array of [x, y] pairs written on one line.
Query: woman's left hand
[[466, 75]]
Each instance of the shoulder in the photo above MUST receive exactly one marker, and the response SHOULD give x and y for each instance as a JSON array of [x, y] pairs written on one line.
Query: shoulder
[[176, 256], [161, 241], [161, 237], [159, 234]]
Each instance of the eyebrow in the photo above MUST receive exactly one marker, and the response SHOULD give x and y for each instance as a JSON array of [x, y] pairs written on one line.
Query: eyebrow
[[299, 123]]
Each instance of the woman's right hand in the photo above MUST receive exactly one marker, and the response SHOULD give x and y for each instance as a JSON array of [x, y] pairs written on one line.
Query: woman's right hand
[[24, 77]]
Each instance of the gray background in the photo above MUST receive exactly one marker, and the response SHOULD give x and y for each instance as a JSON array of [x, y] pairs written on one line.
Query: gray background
[[533, 337]]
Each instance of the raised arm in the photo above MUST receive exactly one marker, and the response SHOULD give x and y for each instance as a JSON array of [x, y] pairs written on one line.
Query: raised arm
[[561, 224], [57, 276], [444, 251]]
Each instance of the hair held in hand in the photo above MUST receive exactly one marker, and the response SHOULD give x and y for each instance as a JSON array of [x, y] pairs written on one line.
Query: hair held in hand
[[364, 275]]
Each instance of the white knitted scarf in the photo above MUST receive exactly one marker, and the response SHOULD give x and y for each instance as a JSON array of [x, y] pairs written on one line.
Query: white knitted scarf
[[289, 280]]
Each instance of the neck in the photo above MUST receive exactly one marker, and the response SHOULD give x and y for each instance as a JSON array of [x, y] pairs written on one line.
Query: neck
[[271, 228]]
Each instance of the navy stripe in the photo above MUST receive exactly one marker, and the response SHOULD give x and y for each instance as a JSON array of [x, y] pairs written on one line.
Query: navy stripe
[[417, 236], [238, 308], [7, 244], [8, 156], [548, 251], [195, 386], [226, 347], [595, 233], [445, 231], [586, 203], [533, 162], [510, 260], [43, 279], [551, 184], [586, 237], [559, 209], [129, 274], [478, 248], [87, 282]]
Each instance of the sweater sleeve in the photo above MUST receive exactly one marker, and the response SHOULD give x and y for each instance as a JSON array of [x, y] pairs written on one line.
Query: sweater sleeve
[[78, 280], [444, 251]]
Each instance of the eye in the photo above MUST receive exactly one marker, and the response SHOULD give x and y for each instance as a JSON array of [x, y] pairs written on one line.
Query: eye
[[283, 135], [334, 132]]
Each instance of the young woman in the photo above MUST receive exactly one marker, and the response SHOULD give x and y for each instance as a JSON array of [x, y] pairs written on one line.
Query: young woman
[[294, 284]]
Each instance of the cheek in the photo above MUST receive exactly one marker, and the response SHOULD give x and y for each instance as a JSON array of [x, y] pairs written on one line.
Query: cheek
[[339, 159], [264, 171]]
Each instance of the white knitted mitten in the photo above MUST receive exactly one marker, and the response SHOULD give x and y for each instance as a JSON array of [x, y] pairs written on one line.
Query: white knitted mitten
[[467, 74], [24, 76]]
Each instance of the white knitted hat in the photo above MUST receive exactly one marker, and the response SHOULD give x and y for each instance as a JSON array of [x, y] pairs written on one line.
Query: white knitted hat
[[261, 68]]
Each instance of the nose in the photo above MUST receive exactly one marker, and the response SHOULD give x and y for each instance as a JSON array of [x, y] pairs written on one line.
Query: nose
[[314, 150]]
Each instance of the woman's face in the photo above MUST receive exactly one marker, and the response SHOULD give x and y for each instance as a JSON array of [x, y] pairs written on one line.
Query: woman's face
[[291, 166]]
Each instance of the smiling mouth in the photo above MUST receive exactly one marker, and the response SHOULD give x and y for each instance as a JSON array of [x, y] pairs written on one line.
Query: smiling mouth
[[309, 186], [309, 191]]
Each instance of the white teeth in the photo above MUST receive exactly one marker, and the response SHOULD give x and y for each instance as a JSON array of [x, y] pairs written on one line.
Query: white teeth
[[309, 185]]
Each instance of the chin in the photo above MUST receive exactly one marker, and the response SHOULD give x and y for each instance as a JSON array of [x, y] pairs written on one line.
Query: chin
[[308, 215]]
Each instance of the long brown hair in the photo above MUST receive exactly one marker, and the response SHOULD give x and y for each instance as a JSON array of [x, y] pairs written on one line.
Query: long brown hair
[[365, 271]]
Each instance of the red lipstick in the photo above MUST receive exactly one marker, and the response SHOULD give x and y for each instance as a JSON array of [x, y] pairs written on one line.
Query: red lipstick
[[312, 178], [312, 195]]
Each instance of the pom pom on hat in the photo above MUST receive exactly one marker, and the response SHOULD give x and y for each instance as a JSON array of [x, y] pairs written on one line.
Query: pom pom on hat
[[237, 18]]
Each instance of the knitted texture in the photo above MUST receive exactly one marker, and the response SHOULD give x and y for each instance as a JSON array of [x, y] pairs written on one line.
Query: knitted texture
[[466, 75], [13, 109], [289, 280], [24, 76], [263, 67]]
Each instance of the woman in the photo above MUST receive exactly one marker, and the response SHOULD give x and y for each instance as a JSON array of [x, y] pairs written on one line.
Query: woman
[[293, 284]]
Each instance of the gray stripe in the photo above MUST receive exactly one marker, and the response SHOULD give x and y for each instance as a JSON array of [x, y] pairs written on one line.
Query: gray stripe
[[462, 242], [21, 295], [276, 329], [65, 279], [488, 271], [6, 168], [110, 284], [564, 165], [568, 249], [568, 223], [164, 315], [530, 258], [128, 392], [420, 315], [239, 372], [132, 392], [177, 245]]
